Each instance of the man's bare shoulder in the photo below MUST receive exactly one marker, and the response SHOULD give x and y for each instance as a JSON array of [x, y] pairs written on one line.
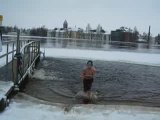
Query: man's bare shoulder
[[93, 68]]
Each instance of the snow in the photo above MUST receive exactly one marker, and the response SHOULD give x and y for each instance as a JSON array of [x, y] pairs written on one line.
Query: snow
[[28, 109], [4, 51], [4, 87], [128, 57]]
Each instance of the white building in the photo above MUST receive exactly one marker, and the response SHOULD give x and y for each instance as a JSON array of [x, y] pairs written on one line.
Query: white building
[[78, 33]]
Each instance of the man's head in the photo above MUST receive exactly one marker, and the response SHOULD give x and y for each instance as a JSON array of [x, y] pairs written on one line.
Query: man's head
[[89, 63]]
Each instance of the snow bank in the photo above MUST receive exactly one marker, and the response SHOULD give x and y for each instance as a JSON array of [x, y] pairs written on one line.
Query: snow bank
[[128, 57], [27, 110], [4, 87]]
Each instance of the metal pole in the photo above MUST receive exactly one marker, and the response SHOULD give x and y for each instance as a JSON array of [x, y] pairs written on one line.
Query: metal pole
[[12, 50], [18, 42], [7, 55], [149, 36], [7, 64], [16, 60], [149, 33], [28, 54]]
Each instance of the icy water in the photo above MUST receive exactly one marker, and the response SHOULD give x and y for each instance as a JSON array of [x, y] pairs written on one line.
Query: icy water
[[58, 80], [99, 45], [90, 44]]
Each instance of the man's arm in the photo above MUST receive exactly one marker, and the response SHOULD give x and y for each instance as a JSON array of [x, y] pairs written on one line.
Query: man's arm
[[82, 74], [94, 70]]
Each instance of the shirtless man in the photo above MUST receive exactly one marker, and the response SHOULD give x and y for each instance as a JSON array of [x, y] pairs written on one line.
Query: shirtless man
[[88, 75]]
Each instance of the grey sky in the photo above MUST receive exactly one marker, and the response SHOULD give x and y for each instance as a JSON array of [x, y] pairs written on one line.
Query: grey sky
[[111, 14]]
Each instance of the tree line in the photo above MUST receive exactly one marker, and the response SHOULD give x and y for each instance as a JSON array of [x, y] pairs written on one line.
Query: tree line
[[39, 31]]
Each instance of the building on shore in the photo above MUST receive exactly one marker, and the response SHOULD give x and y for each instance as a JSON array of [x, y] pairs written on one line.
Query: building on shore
[[157, 39], [120, 36], [79, 33]]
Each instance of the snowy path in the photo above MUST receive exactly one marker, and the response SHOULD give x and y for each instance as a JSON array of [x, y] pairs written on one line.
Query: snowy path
[[27, 108]]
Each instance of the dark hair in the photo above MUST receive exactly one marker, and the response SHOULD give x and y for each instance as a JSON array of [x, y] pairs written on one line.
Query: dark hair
[[90, 62]]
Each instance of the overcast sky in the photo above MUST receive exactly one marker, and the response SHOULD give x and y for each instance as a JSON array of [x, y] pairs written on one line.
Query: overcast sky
[[110, 14]]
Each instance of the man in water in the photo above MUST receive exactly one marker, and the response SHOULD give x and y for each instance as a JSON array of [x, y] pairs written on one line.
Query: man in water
[[88, 75]]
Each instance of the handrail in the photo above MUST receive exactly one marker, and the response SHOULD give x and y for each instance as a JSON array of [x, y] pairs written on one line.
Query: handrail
[[25, 46], [7, 53], [11, 41], [21, 66], [40, 37], [25, 60]]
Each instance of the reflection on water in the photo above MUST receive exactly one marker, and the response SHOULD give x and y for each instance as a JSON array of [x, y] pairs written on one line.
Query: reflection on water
[[68, 43], [98, 45], [92, 44]]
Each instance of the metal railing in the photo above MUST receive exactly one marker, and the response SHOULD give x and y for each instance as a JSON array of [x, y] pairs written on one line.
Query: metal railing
[[25, 61], [9, 49], [8, 44], [6, 58], [18, 57], [19, 63]]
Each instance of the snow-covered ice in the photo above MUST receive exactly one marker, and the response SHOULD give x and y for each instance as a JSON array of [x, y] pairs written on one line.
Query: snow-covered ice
[[128, 57], [28, 109], [4, 87]]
